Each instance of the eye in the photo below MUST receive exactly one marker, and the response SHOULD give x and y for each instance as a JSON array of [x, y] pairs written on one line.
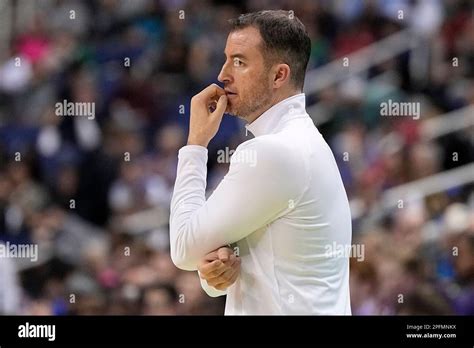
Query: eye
[[238, 62]]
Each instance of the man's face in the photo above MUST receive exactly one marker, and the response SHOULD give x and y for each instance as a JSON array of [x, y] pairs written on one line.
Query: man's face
[[246, 78]]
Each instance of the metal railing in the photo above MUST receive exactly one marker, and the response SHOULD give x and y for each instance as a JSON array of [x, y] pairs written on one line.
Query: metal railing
[[361, 60], [435, 183], [448, 123]]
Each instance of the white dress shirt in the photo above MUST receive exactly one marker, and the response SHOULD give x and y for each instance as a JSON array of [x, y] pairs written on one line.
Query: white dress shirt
[[282, 204]]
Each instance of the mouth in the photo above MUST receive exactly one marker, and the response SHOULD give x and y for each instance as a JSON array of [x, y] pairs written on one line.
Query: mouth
[[229, 93]]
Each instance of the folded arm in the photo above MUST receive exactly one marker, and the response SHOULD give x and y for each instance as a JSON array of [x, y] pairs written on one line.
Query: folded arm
[[251, 195]]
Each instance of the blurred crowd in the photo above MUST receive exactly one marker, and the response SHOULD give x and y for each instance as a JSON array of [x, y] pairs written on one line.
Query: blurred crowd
[[94, 193]]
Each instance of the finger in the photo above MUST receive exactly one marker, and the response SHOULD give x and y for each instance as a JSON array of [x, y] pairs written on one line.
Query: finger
[[222, 287], [235, 269], [227, 275], [226, 280], [234, 278], [217, 273], [213, 282], [212, 268], [211, 91], [220, 107], [223, 277], [224, 253], [218, 280], [205, 265], [235, 275], [231, 262], [211, 256]]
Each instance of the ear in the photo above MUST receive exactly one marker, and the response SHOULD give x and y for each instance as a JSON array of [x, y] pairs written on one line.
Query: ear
[[282, 75]]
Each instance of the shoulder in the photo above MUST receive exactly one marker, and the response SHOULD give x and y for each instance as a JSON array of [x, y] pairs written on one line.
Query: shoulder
[[272, 152]]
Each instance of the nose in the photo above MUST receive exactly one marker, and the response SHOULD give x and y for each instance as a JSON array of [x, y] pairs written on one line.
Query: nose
[[224, 75]]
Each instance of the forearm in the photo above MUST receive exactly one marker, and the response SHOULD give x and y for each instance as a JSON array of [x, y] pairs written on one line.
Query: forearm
[[198, 226], [188, 196]]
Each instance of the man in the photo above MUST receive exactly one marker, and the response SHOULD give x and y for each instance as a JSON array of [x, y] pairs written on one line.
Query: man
[[281, 211]]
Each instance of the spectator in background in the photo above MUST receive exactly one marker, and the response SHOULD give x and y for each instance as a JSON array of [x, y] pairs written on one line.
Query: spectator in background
[[10, 291]]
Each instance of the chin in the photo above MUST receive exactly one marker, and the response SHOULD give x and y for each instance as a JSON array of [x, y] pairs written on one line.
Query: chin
[[231, 111]]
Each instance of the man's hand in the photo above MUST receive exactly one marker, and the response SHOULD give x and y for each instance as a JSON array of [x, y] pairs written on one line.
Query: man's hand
[[220, 268], [207, 109]]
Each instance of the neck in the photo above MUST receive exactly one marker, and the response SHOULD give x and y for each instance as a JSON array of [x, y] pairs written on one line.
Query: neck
[[277, 97]]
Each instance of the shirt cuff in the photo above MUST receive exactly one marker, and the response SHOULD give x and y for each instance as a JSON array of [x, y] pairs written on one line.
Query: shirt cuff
[[209, 290], [193, 149]]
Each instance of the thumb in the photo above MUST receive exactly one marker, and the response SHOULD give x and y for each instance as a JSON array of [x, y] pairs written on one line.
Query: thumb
[[220, 107], [224, 253]]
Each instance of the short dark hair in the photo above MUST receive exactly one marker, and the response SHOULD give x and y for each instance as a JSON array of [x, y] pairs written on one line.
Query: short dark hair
[[284, 39]]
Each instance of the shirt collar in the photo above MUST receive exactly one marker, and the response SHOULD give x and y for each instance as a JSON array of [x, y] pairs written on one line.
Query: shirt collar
[[270, 120]]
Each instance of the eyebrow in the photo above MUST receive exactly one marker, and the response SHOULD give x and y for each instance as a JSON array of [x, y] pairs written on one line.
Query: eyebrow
[[238, 55]]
